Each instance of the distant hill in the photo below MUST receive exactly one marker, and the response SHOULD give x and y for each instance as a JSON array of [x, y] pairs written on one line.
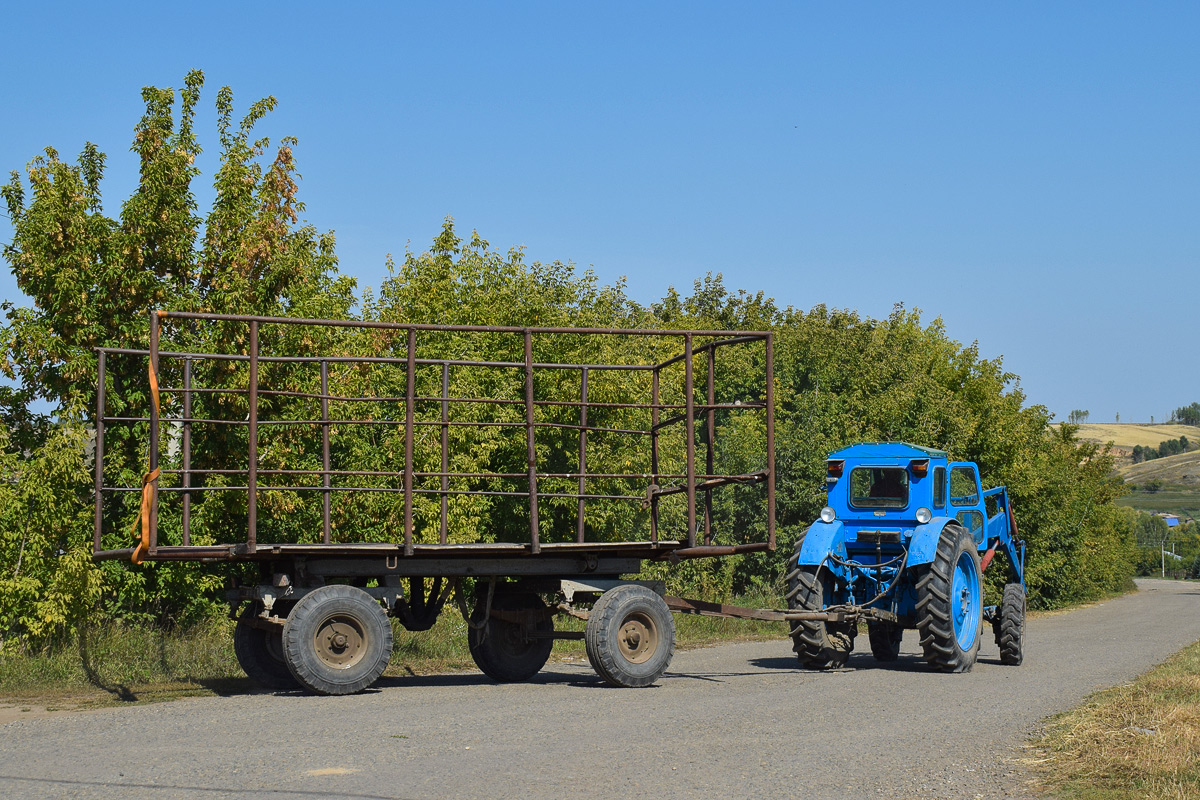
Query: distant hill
[[1126, 436], [1179, 470]]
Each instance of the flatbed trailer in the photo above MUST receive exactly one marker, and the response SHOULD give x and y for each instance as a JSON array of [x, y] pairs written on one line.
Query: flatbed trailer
[[600, 447]]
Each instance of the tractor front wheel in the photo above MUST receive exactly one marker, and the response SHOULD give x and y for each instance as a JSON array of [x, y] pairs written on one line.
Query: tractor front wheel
[[1009, 625], [885, 640], [950, 603]]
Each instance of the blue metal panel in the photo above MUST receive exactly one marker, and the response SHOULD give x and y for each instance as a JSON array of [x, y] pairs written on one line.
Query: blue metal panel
[[823, 538], [925, 541]]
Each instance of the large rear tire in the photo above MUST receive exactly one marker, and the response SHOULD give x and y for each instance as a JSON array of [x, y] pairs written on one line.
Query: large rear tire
[[1009, 625], [502, 649], [818, 644], [259, 651], [337, 640], [950, 603], [630, 636]]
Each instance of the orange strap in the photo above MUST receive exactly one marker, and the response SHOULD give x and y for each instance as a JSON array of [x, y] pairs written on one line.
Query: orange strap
[[143, 517], [154, 389]]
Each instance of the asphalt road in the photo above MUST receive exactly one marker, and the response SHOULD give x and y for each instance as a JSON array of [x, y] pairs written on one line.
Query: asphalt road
[[725, 722]]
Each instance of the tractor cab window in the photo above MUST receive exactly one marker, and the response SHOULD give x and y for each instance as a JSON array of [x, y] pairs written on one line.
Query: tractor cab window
[[939, 487], [964, 489], [879, 487]]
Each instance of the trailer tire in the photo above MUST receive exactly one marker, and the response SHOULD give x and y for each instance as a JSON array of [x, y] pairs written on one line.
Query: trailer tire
[[630, 636], [885, 640], [499, 647], [817, 644], [950, 603], [1009, 625], [337, 640], [260, 652]]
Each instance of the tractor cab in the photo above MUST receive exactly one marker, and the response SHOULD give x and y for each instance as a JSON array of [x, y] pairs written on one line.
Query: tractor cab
[[883, 490]]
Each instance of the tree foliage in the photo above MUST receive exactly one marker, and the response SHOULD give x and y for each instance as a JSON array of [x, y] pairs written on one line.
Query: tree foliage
[[92, 280]]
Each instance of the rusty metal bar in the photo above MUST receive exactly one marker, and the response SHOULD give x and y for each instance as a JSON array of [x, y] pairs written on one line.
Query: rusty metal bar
[[100, 366], [252, 472], [410, 391], [444, 533], [326, 525], [770, 402], [710, 433], [339, 323], [534, 536], [186, 447], [583, 431], [421, 362], [155, 330], [691, 439], [654, 457]]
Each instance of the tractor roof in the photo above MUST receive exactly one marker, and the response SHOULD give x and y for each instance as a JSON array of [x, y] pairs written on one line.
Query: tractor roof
[[888, 450]]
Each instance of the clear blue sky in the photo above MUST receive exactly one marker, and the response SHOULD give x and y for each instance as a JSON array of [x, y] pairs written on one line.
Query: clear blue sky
[[1028, 172]]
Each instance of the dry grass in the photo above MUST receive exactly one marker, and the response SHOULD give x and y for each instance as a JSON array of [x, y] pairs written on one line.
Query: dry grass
[[1181, 469], [1131, 435], [1140, 740]]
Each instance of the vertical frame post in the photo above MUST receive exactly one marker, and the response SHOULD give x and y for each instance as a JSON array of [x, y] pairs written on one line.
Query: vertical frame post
[[326, 526], [534, 538], [710, 431], [654, 457], [444, 533], [100, 369], [154, 421], [252, 467], [690, 406], [187, 451], [583, 421], [770, 401], [410, 390]]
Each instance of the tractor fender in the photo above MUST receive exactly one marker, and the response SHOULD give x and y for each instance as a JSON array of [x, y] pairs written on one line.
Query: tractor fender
[[923, 546], [821, 539]]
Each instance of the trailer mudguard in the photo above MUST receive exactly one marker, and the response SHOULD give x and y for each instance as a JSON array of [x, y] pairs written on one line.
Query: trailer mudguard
[[923, 546], [821, 539]]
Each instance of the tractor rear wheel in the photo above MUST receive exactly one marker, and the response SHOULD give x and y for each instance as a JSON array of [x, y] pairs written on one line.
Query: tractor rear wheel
[[1009, 625], [885, 640], [503, 650], [950, 603], [818, 644]]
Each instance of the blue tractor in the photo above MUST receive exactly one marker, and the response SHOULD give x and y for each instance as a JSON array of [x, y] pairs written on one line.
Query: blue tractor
[[902, 545]]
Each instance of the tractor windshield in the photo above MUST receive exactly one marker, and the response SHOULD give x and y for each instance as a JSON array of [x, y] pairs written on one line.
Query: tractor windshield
[[879, 487]]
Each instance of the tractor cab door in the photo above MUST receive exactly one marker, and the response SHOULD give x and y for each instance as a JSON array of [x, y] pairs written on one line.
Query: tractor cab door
[[966, 499]]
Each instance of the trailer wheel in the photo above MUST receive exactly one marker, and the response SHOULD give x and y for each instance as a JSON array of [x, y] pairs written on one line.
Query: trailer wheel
[[818, 644], [630, 636], [950, 603], [1009, 625], [337, 640], [885, 640], [260, 652], [501, 649]]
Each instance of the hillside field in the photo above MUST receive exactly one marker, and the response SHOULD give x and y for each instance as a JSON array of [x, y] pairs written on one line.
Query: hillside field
[[1129, 435], [1178, 470]]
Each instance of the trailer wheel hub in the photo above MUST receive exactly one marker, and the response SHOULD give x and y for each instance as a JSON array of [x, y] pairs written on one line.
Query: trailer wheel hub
[[638, 638], [340, 641]]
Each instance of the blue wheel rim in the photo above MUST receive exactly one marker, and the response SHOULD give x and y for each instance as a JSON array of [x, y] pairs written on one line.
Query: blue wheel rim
[[965, 601]]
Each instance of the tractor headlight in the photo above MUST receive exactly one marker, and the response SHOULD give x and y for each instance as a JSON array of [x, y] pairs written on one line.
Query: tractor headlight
[[924, 515], [828, 514]]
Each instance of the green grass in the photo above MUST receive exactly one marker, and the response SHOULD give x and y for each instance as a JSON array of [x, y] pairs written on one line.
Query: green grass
[[1181, 501], [1140, 740], [119, 664]]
